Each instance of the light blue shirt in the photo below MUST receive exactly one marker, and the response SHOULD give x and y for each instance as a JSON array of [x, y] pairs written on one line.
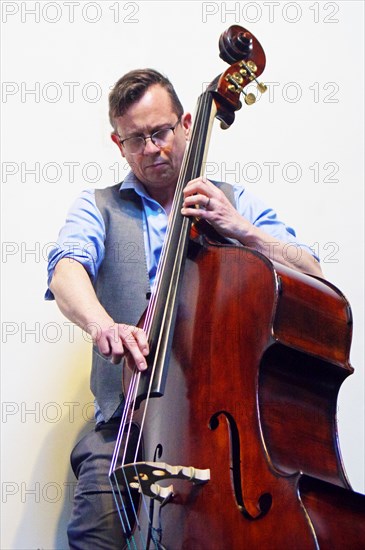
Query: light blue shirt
[[83, 235]]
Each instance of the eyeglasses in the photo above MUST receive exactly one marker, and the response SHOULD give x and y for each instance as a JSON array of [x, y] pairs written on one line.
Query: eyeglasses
[[161, 138]]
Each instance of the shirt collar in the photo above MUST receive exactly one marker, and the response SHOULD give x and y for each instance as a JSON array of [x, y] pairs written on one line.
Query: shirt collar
[[132, 182]]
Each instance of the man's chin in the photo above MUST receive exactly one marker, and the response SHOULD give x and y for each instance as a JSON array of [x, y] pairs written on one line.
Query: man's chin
[[159, 173]]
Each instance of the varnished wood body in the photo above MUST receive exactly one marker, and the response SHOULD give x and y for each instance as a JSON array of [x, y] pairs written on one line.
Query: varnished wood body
[[259, 354]]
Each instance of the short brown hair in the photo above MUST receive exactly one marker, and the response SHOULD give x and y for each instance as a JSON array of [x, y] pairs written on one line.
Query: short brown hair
[[131, 87]]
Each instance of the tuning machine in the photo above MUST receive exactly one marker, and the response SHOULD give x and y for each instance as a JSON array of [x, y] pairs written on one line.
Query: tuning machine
[[249, 69], [236, 80], [246, 70]]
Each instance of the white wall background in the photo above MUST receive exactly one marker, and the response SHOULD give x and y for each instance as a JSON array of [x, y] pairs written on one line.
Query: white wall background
[[70, 54]]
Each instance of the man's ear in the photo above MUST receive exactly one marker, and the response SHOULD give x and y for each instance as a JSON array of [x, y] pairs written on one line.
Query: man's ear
[[116, 140], [186, 121]]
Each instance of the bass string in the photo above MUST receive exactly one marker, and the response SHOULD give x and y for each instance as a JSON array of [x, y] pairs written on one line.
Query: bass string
[[117, 494], [184, 177], [175, 212], [198, 136], [120, 499], [150, 312], [122, 509]]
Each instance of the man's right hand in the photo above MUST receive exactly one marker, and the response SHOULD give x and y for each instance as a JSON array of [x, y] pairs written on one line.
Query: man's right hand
[[115, 340]]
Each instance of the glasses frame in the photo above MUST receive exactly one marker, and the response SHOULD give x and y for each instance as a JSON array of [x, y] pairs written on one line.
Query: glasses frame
[[151, 137]]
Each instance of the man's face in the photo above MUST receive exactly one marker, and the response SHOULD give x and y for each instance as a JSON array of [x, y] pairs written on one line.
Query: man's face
[[156, 168]]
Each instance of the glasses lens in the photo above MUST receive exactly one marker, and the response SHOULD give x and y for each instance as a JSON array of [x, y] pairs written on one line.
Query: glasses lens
[[162, 137], [134, 145]]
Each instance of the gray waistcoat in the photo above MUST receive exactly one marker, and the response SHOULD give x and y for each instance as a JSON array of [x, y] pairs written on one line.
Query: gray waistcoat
[[122, 284]]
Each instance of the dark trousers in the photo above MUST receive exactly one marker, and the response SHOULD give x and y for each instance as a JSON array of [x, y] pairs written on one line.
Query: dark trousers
[[95, 523]]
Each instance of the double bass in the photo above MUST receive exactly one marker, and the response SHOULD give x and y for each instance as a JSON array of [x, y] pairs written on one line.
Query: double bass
[[231, 434]]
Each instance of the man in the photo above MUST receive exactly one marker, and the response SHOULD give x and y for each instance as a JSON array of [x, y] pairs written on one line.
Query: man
[[117, 235]]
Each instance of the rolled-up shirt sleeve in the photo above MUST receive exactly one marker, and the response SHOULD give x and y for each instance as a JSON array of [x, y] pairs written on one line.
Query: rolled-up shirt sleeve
[[81, 238], [256, 211]]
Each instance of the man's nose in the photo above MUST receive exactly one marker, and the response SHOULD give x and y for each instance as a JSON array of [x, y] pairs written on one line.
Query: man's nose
[[149, 146]]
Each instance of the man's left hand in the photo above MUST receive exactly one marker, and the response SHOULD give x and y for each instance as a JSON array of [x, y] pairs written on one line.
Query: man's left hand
[[202, 199]]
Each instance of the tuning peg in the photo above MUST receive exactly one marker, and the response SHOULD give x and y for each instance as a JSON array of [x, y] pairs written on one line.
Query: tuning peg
[[250, 67], [261, 87], [249, 98]]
